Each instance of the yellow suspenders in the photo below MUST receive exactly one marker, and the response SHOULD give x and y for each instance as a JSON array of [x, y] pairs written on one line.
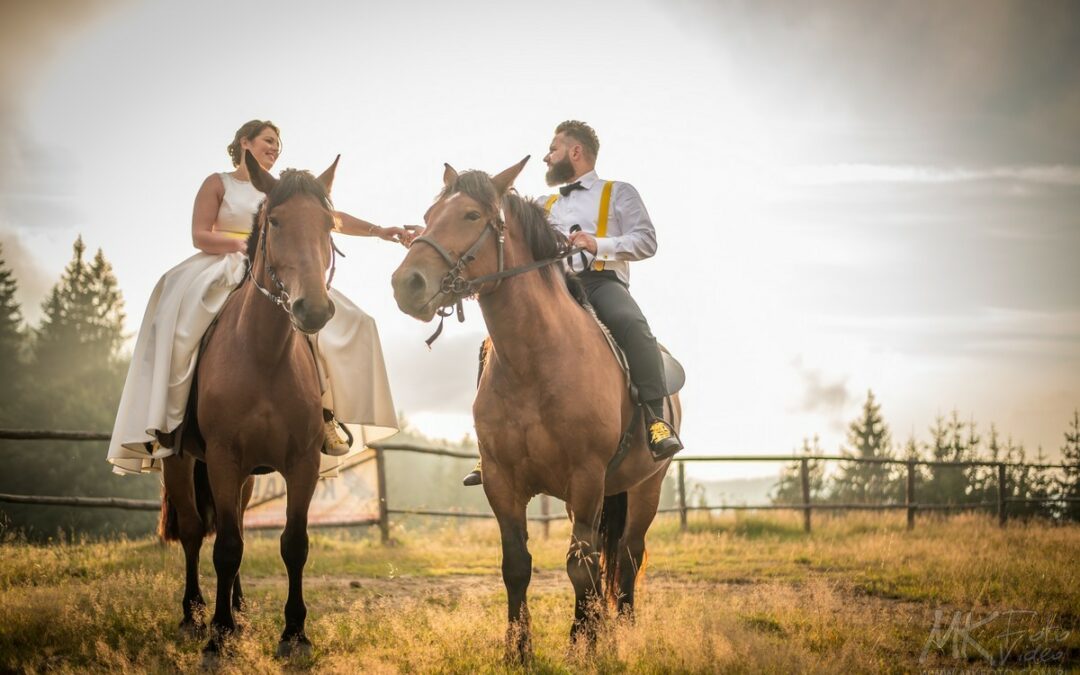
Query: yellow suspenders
[[601, 218]]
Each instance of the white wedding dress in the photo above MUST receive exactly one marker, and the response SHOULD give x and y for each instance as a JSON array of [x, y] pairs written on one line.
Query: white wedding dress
[[181, 308]]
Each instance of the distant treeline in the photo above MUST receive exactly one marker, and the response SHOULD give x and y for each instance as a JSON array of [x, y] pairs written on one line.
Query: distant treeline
[[952, 439]]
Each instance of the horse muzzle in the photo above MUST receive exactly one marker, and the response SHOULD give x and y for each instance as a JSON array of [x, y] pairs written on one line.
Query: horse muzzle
[[416, 293], [311, 316]]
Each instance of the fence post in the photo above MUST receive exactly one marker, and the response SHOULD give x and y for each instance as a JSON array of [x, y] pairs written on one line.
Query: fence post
[[1002, 515], [380, 479], [545, 510], [910, 496], [682, 495], [804, 471]]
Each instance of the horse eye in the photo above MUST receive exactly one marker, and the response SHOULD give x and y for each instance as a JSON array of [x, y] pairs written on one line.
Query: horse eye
[[473, 215], [273, 222]]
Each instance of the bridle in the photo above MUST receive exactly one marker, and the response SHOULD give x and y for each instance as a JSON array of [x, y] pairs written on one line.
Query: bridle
[[281, 297], [458, 287]]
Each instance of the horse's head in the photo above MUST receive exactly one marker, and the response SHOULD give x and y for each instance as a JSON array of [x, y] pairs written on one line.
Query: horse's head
[[290, 249], [463, 237]]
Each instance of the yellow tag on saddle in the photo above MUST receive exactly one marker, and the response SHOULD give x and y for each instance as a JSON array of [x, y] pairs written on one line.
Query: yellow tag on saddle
[[601, 218]]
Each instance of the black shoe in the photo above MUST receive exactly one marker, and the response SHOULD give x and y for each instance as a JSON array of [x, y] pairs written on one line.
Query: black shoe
[[663, 443], [474, 477]]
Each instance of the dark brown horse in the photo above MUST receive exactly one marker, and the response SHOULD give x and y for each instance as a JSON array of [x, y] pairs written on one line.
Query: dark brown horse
[[552, 402], [256, 402]]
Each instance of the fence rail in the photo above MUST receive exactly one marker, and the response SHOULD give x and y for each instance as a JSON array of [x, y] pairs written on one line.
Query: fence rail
[[807, 506]]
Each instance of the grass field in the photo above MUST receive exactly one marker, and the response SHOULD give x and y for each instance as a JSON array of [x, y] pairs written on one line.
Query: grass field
[[734, 594]]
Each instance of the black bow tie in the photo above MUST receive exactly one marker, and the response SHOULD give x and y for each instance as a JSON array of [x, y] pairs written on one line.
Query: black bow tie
[[567, 189]]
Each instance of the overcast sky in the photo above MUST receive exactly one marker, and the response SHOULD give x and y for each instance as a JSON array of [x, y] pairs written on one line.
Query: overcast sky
[[865, 195]]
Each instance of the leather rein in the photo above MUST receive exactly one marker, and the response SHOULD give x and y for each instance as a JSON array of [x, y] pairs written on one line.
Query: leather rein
[[281, 297], [455, 284]]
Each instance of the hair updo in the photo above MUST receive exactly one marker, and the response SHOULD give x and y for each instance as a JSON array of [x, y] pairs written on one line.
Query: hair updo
[[250, 131]]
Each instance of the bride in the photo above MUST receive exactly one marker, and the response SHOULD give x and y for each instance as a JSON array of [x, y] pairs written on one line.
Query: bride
[[189, 296]]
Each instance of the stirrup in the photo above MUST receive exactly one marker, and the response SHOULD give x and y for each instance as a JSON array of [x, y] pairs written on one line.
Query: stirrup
[[333, 445], [474, 477], [663, 443]]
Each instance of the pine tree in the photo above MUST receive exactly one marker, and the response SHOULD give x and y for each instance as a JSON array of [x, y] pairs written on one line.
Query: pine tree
[[74, 380], [82, 327], [951, 441], [1070, 457], [868, 437], [789, 487], [12, 337]]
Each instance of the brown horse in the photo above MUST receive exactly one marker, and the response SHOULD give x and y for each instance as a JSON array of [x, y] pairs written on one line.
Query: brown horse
[[552, 402], [257, 404]]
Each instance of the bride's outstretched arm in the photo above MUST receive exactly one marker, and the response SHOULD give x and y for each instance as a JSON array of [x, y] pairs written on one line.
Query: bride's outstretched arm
[[356, 227]]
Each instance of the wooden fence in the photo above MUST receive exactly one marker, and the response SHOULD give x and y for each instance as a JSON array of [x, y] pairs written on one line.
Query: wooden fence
[[1000, 506]]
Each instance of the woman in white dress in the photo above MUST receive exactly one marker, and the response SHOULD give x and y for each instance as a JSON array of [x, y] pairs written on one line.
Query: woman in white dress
[[189, 296]]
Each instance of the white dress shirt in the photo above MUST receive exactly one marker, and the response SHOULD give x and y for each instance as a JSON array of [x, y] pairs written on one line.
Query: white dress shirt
[[630, 234]]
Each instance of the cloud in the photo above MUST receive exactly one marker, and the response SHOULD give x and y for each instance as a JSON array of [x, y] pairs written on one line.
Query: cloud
[[33, 179], [822, 396], [833, 174], [972, 81]]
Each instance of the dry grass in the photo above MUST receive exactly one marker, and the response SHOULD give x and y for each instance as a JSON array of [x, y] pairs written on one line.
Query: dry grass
[[735, 594]]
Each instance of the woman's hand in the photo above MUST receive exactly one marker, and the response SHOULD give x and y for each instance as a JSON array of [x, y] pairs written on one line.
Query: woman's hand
[[388, 233], [411, 233]]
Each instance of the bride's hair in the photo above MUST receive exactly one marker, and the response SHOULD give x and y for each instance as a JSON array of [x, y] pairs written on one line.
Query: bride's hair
[[249, 131]]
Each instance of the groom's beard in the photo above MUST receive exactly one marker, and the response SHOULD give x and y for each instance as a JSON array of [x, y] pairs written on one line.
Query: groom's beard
[[560, 172]]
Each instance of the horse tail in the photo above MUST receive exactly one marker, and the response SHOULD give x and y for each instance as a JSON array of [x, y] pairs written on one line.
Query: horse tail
[[169, 525], [612, 525]]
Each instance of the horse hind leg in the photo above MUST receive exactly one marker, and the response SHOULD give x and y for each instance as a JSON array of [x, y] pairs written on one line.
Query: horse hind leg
[[299, 487], [181, 520], [642, 502]]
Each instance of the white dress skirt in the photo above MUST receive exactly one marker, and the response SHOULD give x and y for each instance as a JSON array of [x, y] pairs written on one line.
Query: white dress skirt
[[181, 308]]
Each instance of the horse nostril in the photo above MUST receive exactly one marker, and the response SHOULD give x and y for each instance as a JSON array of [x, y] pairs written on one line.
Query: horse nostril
[[299, 308], [416, 282]]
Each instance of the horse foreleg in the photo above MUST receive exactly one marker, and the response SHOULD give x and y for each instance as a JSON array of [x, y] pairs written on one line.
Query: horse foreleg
[[642, 502], [245, 499], [585, 501], [299, 486], [225, 485], [516, 563], [178, 477]]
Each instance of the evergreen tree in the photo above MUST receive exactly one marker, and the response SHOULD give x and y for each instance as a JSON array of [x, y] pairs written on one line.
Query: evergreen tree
[[12, 339], [1070, 457], [868, 437], [83, 323], [984, 485], [74, 381], [789, 487], [951, 441]]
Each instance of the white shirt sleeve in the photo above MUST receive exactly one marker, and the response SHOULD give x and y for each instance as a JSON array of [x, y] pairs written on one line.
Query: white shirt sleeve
[[636, 237]]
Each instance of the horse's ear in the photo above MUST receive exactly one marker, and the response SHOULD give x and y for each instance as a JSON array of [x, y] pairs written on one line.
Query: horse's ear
[[260, 177], [449, 176], [327, 177], [505, 179]]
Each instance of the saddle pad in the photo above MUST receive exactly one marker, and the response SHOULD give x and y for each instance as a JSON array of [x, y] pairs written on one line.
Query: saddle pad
[[674, 375]]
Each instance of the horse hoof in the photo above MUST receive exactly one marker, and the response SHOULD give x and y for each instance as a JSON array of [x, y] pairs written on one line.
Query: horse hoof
[[299, 647], [190, 630], [210, 661]]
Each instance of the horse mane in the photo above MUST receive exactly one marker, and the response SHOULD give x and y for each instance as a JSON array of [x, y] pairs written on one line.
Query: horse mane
[[543, 240], [291, 183]]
